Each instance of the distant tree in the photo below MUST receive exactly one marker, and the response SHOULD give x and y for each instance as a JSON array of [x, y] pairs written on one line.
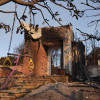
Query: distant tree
[[19, 50], [93, 56]]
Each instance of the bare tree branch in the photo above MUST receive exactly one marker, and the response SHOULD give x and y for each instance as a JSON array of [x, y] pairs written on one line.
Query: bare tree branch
[[21, 2], [89, 35], [96, 15], [2, 2], [61, 5], [11, 12], [43, 16], [71, 7], [86, 39], [50, 13], [87, 4], [93, 22], [7, 11], [95, 1]]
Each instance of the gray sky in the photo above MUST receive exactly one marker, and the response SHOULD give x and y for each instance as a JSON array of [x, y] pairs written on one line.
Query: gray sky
[[81, 23]]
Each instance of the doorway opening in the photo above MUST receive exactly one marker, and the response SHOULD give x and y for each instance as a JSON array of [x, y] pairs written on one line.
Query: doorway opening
[[55, 58]]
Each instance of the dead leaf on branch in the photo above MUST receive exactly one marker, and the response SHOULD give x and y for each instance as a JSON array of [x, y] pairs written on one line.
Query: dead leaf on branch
[[5, 27], [20, 29], [45, 20], [60, 19], [57, 14]]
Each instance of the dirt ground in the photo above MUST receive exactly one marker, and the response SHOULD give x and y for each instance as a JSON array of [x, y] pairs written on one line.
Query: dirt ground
[[63, 91]]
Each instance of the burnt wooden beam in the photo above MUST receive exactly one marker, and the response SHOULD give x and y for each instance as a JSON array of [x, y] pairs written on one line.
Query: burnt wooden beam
[[18, 54], [52, 43]]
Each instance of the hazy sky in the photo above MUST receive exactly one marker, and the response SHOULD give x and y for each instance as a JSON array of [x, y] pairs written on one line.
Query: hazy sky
[[81, 23]]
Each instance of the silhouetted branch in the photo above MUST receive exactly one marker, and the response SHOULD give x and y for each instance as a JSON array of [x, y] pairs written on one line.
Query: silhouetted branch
[[96, 15], [11, 12], [94, 8], [61, 5], [21, 2], [89, 35], [2, 2], [43, 16], [94, 22], [7, 11], [50, 12]]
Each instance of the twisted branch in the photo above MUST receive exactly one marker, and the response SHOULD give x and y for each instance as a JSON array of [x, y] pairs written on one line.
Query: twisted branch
[[43, 16], [89, 36], [50, 13], [2, 2], [61, 5]]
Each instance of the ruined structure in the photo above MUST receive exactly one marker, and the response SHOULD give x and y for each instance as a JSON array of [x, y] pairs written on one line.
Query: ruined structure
[[52, 53], [78, 60], [93, 63], [95, 56]]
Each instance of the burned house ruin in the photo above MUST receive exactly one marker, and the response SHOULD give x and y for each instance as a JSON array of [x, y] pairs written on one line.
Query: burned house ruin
[[53, 51]]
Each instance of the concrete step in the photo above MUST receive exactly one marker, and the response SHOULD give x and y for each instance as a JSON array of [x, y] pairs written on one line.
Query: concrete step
[[22, 79], [3, 94], [29, 83], [24, 87], [74, 84], [7, 97], [18, 89], [12, 93], [28, 86], [32, 80], [18, 94]]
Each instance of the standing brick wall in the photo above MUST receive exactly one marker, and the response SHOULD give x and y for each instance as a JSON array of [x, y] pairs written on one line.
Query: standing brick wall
[[39, 56]]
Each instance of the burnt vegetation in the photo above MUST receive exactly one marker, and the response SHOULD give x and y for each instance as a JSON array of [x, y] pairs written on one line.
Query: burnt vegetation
[[33, 5]]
